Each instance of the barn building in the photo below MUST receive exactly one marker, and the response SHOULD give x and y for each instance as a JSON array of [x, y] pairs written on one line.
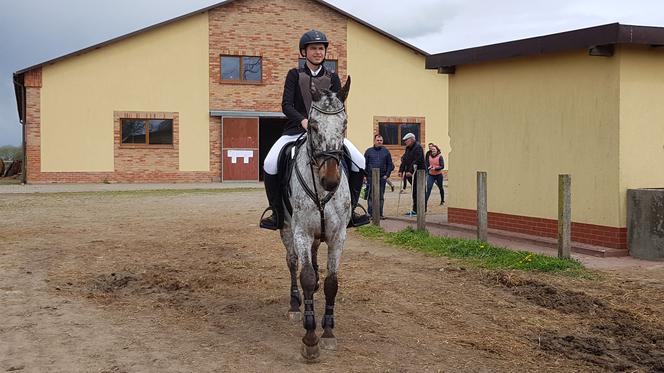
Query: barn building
[[198, 98], [585, 103]]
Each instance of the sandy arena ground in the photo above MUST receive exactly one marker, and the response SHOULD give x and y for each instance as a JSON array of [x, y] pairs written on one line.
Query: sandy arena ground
[[184, 281]]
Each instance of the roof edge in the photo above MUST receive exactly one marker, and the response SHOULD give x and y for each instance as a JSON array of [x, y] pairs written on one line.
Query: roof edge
[[19, 92], [612, 33], [125, 36], [378, 30], [203, 10]]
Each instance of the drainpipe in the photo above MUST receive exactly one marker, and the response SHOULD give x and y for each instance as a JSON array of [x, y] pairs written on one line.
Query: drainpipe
[[19, 88]]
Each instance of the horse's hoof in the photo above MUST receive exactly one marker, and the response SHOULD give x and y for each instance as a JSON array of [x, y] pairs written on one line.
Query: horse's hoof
[[311, 354], [294, 315], [328, 343]]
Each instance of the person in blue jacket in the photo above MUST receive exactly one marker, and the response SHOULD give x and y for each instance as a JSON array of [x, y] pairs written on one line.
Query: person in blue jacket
[[379, 157]]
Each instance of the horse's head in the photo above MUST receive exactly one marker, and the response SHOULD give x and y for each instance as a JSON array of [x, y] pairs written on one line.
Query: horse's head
[[327, 124]]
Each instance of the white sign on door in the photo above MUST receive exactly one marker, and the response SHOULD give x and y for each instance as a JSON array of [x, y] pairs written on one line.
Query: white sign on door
[[244, 154]]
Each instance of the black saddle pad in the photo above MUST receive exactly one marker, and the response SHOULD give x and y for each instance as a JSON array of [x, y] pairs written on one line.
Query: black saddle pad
[[285, 167]]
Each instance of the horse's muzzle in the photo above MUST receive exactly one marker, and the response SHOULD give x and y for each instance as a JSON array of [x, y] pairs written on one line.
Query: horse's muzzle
[[331, 177]]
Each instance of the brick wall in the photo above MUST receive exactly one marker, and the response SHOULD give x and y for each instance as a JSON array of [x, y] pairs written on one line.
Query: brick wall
[[397, 150], [132, 164], [583, 233], [267, 28], [271, 29], [141, 158], [215, 148]]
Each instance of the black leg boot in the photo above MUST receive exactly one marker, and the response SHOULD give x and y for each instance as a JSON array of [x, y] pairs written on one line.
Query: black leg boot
[[355, 182], [273, 191]]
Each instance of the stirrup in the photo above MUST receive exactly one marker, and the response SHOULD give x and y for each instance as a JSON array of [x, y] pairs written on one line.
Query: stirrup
[[269, 222], [358, 220]]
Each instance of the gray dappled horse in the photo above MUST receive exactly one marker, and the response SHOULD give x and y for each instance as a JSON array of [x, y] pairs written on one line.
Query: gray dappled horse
[[320, 197]]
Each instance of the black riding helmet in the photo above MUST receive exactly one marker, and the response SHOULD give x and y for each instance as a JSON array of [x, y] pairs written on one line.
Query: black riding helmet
[[312, 37]]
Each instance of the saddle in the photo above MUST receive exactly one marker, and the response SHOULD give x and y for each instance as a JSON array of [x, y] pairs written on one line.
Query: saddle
[[286, 162]]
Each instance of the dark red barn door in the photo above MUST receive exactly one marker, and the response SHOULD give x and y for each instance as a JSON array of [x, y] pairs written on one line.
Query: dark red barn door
[[240, 149]]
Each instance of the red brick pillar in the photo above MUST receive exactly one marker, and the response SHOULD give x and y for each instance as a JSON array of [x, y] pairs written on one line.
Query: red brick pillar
[[33, 84]]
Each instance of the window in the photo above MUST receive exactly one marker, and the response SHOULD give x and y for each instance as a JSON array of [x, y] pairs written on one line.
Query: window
[[330, 65], [393, 132], [242, 69], [147, 131]]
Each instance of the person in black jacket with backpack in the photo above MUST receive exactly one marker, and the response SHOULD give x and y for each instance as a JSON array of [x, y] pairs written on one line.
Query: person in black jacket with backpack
[[296, 102], [413, 156]]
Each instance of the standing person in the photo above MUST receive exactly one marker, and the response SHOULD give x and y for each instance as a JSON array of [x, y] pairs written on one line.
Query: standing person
[[435, 165], [379, 157], [296, 102], [413, 156]]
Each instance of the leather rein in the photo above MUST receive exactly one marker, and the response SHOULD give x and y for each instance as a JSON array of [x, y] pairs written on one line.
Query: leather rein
[[318, 159]]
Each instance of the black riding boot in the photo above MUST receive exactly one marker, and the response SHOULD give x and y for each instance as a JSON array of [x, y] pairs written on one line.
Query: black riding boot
[[273, 191], [355, 183]]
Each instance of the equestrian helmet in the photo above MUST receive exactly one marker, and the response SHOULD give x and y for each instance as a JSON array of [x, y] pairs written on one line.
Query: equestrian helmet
[[313, 37]]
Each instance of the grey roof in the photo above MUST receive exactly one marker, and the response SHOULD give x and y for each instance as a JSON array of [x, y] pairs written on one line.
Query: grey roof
[[605, 35]]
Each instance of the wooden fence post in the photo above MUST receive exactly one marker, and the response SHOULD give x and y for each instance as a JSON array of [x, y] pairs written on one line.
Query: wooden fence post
[[421, 200], [375, 196], [482, 213], [564, 215]]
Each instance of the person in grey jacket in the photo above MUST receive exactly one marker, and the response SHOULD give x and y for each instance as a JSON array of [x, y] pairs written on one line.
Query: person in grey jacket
[[379, 157]]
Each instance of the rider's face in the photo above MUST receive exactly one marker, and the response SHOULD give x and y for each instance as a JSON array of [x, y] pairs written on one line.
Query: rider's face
[[315, 53]]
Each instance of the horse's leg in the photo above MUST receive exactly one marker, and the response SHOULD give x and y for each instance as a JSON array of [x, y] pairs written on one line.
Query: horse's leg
[[328, 340], [314, 262], [294, 313], [310, 349]]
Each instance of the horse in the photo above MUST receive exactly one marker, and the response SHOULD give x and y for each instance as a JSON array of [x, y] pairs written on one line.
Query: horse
[[321, 209]]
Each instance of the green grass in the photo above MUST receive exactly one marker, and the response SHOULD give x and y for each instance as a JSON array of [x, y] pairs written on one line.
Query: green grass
[[477, 253]]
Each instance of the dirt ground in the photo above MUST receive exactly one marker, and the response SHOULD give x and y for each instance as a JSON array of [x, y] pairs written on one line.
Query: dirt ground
[[186, 282]]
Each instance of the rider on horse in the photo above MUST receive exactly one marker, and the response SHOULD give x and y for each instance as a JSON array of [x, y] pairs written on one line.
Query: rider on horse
[[296, 103]]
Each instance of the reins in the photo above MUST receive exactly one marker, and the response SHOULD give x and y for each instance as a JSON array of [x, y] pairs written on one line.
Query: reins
[[313, 156]]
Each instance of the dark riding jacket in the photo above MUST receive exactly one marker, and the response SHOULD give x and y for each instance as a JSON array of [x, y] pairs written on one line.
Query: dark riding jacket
[[293, 103], [413, 155]]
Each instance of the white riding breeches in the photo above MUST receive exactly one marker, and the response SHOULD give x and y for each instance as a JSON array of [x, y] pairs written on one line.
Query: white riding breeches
[[271, 165]]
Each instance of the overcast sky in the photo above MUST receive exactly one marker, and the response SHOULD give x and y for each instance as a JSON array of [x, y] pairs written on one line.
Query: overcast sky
[[33, 31]]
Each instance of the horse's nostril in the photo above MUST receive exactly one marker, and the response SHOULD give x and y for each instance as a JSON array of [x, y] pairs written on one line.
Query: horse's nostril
[[329, 185]]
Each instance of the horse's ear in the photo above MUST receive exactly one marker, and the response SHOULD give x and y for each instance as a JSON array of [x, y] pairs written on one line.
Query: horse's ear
[[343, 92], [316, 95]]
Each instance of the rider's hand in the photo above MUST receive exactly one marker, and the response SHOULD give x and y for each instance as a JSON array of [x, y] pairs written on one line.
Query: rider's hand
[[408, 174], [305, 123]]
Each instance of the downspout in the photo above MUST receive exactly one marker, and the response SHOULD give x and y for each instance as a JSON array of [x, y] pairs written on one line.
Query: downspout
[[19, 89]]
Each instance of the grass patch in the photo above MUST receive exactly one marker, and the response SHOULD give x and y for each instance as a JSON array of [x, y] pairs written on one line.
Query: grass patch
[[477, 253]]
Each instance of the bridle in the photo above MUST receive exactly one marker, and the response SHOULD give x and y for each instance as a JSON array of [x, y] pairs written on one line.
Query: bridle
[[318, 159]]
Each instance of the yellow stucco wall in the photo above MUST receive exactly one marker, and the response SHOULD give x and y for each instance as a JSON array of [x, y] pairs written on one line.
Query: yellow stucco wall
[[641, 120], [389, 79], [163, 70], [525, 121]]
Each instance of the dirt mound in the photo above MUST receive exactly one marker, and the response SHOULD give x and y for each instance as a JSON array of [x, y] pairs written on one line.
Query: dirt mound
[[550, 297], [613, 339], [111, 283]]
